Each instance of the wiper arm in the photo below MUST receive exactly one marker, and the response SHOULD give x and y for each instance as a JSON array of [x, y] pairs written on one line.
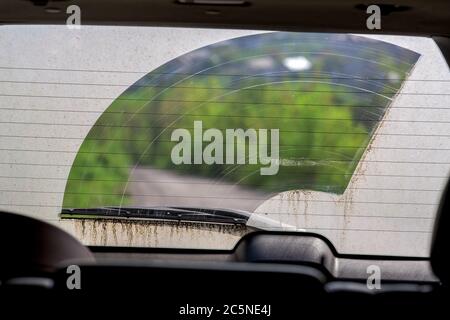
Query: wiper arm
[[162, 213]]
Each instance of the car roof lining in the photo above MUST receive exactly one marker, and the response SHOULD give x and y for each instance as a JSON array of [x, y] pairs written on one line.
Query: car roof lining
[[409, 17]]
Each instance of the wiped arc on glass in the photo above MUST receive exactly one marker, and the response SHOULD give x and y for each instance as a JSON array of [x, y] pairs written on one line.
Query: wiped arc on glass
[[290, 70]]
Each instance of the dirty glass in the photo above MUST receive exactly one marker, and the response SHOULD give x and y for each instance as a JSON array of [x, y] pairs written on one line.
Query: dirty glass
[[343, 135]]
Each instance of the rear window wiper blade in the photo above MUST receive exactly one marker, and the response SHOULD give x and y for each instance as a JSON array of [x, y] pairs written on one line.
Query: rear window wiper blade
[[161, 213]]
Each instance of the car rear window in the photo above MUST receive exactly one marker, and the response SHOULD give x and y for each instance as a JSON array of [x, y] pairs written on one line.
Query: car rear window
[[340, 134]]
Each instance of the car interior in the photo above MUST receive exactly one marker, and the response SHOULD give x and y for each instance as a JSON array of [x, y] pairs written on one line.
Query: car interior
[[294, 272]]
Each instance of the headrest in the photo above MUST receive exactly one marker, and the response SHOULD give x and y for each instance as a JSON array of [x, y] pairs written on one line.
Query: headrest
[[28, 246], [440, 248]]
